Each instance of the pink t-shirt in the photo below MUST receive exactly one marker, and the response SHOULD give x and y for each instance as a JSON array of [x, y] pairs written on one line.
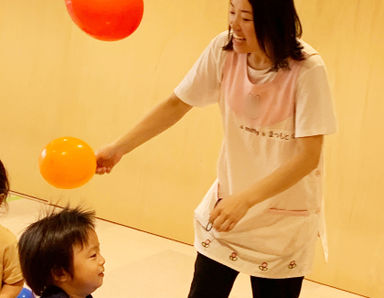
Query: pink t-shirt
[[261, 123]]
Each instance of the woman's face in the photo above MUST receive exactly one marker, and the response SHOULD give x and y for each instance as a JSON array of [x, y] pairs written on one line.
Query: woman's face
[[241, 22]]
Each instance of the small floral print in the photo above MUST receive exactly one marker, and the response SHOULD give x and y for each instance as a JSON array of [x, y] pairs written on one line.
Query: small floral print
[[233, 256], [264, 266], [292, 265], [206, 243]]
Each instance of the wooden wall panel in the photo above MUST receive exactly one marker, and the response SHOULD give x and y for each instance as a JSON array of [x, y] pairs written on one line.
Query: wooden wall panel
[[57, 81], [349, 35]]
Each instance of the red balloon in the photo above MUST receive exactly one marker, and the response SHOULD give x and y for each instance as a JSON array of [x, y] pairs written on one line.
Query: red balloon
[[67, 162], [107, 20]]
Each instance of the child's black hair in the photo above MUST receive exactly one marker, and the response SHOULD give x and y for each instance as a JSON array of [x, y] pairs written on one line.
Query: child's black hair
[[4, 184], [46, 246]]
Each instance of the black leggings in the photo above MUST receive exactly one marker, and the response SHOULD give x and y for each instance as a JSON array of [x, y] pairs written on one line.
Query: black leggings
[[214, 280]]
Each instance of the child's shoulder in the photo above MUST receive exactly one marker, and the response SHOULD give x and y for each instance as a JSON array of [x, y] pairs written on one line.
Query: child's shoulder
[[54, 292], [6, 237]]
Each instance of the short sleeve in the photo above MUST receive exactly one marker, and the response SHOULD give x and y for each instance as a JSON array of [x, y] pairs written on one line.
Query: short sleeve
[[201, 85], [314, 107], [11, 266]]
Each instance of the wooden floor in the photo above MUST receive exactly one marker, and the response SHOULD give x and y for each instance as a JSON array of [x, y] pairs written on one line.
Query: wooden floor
[[141, 265]]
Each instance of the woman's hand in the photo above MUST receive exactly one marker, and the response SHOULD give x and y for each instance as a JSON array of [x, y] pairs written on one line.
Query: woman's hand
[[107, 158], [231, 209], [228, 212]]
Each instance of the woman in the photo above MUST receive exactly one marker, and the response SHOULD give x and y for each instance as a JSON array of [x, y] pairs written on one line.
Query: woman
[[263, 214]]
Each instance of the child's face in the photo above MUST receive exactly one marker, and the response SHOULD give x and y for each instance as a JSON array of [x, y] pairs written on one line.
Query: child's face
[[87, 266]]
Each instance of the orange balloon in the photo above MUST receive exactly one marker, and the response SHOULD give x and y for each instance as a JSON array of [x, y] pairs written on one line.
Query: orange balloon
[[67, 162], [106, 20]]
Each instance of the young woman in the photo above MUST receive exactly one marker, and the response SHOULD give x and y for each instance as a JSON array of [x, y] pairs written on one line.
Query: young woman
[[263, 214]]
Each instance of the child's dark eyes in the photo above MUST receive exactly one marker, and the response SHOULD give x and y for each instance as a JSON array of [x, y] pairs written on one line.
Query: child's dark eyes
[[94, 256]]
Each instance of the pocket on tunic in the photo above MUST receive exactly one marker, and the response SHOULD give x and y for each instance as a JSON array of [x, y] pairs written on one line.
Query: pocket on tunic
[[275, 232], [289, 212]]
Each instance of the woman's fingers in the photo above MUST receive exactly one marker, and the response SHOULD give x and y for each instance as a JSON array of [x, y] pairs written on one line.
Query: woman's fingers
[[103, 166], [223, 223], [102, 170]]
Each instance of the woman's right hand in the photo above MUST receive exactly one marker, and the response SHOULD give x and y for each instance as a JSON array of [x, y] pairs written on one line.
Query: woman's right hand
[[106, 158]]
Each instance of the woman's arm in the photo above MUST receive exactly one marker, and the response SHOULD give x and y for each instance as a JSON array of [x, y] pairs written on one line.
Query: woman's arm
[[231, 209], [159, 119], [11, 291]]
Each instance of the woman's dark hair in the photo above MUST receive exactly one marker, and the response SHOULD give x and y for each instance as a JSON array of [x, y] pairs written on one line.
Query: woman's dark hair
[[277, 28], [46, 246], [4, 183]]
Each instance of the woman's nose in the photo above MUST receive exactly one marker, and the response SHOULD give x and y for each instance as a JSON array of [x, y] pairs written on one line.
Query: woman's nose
[[234, 23]]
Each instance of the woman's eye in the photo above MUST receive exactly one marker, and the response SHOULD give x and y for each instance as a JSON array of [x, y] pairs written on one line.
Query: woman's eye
[[93, 256]]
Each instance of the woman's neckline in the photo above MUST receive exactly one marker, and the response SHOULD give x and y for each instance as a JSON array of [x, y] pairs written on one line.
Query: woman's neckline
[[273, 80]]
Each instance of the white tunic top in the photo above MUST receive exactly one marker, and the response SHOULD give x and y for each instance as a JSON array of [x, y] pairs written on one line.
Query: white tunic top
[[262, 121]]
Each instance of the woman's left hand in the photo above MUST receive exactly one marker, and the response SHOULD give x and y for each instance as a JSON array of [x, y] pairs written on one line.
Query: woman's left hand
[[228, 212]]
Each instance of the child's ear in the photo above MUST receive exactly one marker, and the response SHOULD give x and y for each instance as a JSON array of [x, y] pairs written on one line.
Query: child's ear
[[60, 275]]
